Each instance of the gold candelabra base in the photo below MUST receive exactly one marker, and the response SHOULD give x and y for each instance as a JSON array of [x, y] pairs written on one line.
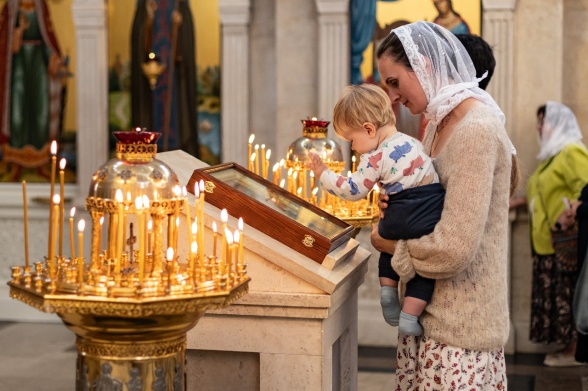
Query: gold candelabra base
[[134, 343]]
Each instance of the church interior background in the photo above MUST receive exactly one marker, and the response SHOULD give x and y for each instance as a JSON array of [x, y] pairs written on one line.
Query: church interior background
[[263, 65]]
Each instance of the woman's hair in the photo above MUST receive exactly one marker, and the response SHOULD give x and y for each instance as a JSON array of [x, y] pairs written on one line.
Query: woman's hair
[[359, 104], [541, 110], [392, 47]]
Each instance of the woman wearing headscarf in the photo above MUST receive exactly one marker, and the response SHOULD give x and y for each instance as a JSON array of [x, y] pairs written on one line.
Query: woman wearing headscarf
[[466, 324], [552, 196]]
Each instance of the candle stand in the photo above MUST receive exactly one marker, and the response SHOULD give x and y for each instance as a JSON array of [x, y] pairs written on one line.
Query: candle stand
[[129, 308]]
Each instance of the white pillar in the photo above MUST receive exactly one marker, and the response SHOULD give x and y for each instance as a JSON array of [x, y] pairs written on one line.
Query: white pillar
[[334, 62], [92, 90], [234, 16]]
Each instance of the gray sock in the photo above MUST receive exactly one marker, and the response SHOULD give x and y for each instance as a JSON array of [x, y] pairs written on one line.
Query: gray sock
[[390, 304], [409, 324]]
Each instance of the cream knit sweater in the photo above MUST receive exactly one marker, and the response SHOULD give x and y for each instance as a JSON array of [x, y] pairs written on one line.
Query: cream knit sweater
[[467, 251]]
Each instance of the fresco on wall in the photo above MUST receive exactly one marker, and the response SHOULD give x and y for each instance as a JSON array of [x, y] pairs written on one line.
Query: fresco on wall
[[371, 22], [164, 73], [35, 87]]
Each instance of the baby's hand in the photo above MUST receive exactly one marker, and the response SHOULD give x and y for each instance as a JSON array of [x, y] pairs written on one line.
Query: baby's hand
[[316, 164]]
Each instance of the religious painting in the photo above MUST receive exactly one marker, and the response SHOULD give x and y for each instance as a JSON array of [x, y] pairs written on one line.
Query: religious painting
[[37, 43], [371, 21], [164, 73]]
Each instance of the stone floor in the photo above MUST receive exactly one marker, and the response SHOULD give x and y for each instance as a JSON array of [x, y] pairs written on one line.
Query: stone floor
[[41, 356]]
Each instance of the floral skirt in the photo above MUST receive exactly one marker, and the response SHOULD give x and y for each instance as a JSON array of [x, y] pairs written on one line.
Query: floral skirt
[[554, 281], [425, 364]]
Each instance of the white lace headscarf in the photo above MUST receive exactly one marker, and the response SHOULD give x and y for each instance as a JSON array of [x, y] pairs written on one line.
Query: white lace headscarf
[[560, 128], [450, 78]]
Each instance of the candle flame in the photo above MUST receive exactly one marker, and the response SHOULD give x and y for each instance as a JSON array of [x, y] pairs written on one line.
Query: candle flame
[[53, 147], [169, 254], [311, 174], [81, 225], [72, 212], [149, 225], [137, 129], [184, 191], [256, 147], [268, 153], [101, 220], [194, 228], [178, 221], [62, 163], [129, 196], [201, 184], [282, 183], [139, 203], [194, 247], [314, 191], [151, 56], [118, 196], [299, 191], [240, 224], [224, 216], [353, 159], [276, 167], [314, 118], [252, 158], [251, 138], [196, 190], [282, 163], [176, 190], [56, 199], [214, 226], [237, 236], [145, 201]]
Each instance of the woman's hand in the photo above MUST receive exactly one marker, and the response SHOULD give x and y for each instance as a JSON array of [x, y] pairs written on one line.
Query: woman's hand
[[381, 244], [567, 218], [382, 203]]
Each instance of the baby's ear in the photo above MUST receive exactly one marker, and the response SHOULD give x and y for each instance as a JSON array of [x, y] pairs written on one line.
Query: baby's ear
[[369, 128]]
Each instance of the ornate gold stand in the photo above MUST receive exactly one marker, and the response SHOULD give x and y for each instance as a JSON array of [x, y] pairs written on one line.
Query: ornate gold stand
[[128, 344]]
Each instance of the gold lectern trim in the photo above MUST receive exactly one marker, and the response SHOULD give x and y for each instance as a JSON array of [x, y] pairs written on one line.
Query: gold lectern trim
[[308, 241]]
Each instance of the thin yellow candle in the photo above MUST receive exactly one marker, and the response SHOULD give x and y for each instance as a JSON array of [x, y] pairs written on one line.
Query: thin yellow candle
[[146, 206], [26, 222], [119, 199], [236, 246], [177, 193], [193, 251], [176, 230], [262, 161], [201, 221], [249, 148], [100, 236], [228, 251], [53, 150], [313, 197], [53, 237], [241, 240], [187, 208], [224, 220], [275, 174], [251, 163], [81, 226], [257, 159], [353, 163], [141, 223], [282, 183], [72, 248], [214, 238], [150, 235], [266, 164], [170, 257], [62, 164]]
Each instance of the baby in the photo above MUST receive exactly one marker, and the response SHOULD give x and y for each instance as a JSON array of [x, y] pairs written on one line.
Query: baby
[[364, 117]]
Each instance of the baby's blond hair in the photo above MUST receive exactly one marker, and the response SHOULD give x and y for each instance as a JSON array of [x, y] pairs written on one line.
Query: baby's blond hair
[[359, 104]]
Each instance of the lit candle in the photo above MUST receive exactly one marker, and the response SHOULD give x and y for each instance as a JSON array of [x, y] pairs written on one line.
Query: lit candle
[[53, 150], [276, 175], [313, 197], [224, 220], [26, 222], [214, 238], [53, 236], [282, 183], [174, 235], [241, 240], [81, 226], [193, 251], [257, 159], [353, 163], [146, 244], [201, 221], [72, 213], [141, 223], [100, 238], [266, 164], [170, 257], [236, 246], [62, 163], [228, 251], [187, 208], [249, 147], [149, 235], [119, 199], [251, 162], [176, 230], [262, 162]]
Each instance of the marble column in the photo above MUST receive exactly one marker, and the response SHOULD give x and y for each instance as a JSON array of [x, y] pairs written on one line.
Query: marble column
[[234, 16]]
